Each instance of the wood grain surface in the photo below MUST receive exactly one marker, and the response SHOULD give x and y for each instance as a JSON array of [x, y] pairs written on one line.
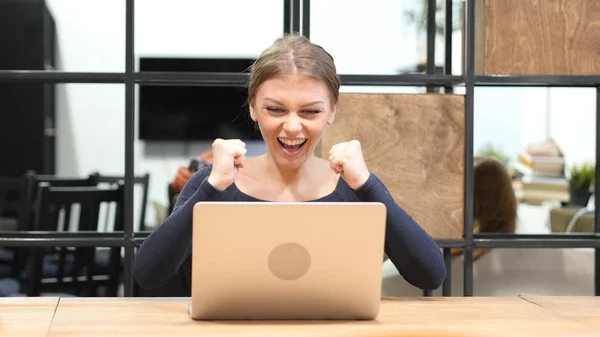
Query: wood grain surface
[[540, 37], [414, 144], [26, 316], [584, 309], [407, 317]]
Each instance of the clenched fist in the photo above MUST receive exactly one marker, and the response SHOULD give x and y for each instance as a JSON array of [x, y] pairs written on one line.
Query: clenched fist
[[346, 159], [228, 157]]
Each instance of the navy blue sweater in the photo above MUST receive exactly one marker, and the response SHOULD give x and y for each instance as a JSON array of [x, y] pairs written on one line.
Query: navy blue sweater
[[414, 252]]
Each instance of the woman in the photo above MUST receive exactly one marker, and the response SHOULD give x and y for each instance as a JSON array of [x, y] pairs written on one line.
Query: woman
[[292, 96], [494, 202]]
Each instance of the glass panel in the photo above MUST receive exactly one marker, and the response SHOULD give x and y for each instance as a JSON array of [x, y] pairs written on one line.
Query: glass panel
[[164, 144], [90, 35], [191, 28], [510, 272], [385, 37], [540, 135], [73, 131]]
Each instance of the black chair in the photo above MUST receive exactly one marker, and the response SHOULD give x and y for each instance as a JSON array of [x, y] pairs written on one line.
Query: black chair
[[61, 259], [83, 277], [14, 193], [143, 181], [54, 181], [55, 259], [103, 257]]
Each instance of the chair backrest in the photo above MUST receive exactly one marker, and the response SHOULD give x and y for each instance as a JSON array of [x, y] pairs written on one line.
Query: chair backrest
[[14, 195], [9, 189], [35, 180], [51, 199], [50, 202], [143, 181], [62, 181], [93, 179]]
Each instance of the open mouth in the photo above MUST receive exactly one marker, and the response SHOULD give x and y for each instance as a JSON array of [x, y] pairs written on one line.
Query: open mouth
[[291, 146]]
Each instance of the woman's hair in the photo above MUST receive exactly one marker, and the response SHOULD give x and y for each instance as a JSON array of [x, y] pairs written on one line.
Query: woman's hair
[[294, 54], [494, 201]]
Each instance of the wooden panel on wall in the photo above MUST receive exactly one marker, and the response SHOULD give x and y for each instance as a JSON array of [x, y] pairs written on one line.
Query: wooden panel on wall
[[415, 144], [538, 37]]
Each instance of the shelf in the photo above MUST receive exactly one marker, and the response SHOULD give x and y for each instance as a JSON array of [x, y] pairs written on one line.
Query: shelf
[[241, 79], [197, 78], [401, 80], [44, 76], [431, 129], [481, 240], [517, 37], [538, 80], [74, 239], [507, 240], [538, 242], [180, 78], [511, 55], [554, 236], [175, 78], [553, 240], [450, 243]]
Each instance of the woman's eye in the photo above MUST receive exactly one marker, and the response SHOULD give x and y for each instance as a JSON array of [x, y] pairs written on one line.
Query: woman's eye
[[312, 111], [271, 109]]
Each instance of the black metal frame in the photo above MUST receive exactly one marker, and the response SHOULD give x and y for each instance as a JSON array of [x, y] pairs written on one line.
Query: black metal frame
[[297, 20]]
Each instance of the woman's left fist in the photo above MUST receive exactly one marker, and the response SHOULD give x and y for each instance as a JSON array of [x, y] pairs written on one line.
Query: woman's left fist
[[346, 159]]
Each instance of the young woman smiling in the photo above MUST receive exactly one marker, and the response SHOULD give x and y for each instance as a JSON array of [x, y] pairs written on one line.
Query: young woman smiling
[[292, 96]]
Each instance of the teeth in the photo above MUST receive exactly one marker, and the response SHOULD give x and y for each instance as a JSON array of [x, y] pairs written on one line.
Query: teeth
[[292, 142]]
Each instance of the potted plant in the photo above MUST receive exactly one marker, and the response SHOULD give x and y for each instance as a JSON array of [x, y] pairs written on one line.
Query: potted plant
[[580, 180]]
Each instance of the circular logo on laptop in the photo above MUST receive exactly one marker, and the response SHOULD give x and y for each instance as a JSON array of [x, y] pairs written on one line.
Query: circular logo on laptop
[[289, 261]]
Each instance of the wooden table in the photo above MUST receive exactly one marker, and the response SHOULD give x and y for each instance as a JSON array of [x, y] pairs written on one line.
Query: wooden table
[[26, 316], [433, 316], [581, 309]]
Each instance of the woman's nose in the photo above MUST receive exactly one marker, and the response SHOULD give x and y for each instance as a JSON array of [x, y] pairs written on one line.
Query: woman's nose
[[292, 124]]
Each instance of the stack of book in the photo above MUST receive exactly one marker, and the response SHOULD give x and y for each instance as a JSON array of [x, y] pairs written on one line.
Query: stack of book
[[542, 171]]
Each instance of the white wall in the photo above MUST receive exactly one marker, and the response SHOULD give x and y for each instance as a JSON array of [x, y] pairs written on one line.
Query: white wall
[[499, 118], [363, 39], [515, 117], [572, 122]]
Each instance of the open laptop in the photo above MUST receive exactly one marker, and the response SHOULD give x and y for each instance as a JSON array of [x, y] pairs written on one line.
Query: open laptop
[[294, 261]]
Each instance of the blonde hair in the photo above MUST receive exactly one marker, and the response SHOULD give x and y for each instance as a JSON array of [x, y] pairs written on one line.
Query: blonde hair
[[292, 54]]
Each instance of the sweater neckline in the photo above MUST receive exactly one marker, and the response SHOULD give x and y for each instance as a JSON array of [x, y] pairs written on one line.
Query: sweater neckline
[[327, 197]]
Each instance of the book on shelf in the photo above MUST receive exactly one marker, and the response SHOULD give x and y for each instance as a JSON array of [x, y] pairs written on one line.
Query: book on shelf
[[543, 163], [537, 171], [547, 149], [541, 171], [559, 184], [541, 160]]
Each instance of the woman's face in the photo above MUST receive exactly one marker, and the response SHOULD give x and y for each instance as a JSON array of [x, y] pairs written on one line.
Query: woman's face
[[292, 112]]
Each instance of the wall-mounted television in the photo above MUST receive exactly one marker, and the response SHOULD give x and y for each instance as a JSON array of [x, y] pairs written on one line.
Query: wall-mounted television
[[194, 112]]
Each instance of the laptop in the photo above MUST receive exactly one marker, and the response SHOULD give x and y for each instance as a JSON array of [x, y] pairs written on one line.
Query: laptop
[[287, 261]]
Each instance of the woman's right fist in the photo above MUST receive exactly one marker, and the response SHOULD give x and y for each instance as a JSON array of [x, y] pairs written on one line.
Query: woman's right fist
[[228, 156]]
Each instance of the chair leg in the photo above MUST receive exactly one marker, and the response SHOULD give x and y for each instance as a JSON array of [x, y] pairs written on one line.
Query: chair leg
[[36, 265]]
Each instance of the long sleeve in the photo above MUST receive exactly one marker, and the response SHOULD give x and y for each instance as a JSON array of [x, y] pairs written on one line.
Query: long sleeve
[[414, 252], [166, 248]]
